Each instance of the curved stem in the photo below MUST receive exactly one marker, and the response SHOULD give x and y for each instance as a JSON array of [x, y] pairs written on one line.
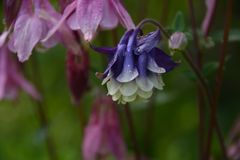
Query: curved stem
[[152, 21], [200, 93]]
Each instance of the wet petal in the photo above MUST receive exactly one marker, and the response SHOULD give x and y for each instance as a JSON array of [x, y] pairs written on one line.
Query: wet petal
[[128, 89], [129, 98], [104, 50], [156, 81], [163, 60], [144, 84], [152, 66], [68, 11], [89, 15], [123, 15], [117, 59], [113, 86], [28, 31], [148, 42], [116, 96], [129, 71], [110, 19], [143, 94]]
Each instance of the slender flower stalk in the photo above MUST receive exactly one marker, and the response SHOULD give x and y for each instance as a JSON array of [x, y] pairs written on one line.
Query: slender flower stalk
[[219, 76], [42, 112], [201, 105], [132, 131]]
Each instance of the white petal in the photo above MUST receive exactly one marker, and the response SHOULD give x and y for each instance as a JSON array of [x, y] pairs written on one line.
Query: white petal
[[129, 98], [152, 66], [116, 96], [143, 94], [144, 84], [127, 75], [113, 86], [128, 89], [157, 81]]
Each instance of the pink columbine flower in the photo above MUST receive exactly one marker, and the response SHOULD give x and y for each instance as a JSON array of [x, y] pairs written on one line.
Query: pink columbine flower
[[34, 20], [77, 74], [11, 80], [102, 135], [88, 15]]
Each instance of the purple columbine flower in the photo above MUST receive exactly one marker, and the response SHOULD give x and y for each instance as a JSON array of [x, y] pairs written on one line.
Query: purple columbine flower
[[102, 136], [88, 15], [135, 66], [10, 77], [34, 20], [77, 74]]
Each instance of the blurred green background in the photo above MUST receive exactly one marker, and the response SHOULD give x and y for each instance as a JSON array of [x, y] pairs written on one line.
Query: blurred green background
[[166, 127]]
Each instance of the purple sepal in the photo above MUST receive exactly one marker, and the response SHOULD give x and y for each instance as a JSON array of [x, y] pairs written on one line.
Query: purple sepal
[[162, 59]]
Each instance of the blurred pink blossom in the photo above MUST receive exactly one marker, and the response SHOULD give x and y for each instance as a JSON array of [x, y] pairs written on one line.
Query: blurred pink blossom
[[11, 80], [87, 16], [34, 20], [102, 135]]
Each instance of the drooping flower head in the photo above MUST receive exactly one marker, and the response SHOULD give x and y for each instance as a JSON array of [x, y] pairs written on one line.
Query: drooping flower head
[[11, 79], [34, 20], [87, 15], [102, 136], [135, 66]]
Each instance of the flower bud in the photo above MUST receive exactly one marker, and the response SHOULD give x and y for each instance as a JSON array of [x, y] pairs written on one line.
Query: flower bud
[[77, 74], [178, 41]]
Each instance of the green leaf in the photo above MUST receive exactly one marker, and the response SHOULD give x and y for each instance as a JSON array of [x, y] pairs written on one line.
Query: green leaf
[[210, 68], [234, 36], [178, 23]]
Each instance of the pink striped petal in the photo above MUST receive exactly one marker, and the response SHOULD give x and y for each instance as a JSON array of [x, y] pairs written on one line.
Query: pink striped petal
[[110, 19], [28, 31], [89, 15], [123, 15]]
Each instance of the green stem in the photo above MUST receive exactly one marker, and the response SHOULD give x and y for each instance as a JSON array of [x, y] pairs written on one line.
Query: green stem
[[42, 115], [132, 131]]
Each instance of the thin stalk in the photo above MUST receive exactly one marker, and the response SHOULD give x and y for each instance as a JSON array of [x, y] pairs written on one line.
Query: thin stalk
[[149, 125], [132, 131], [42, 115], [219, 75], [205, 88], [200, 93]]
